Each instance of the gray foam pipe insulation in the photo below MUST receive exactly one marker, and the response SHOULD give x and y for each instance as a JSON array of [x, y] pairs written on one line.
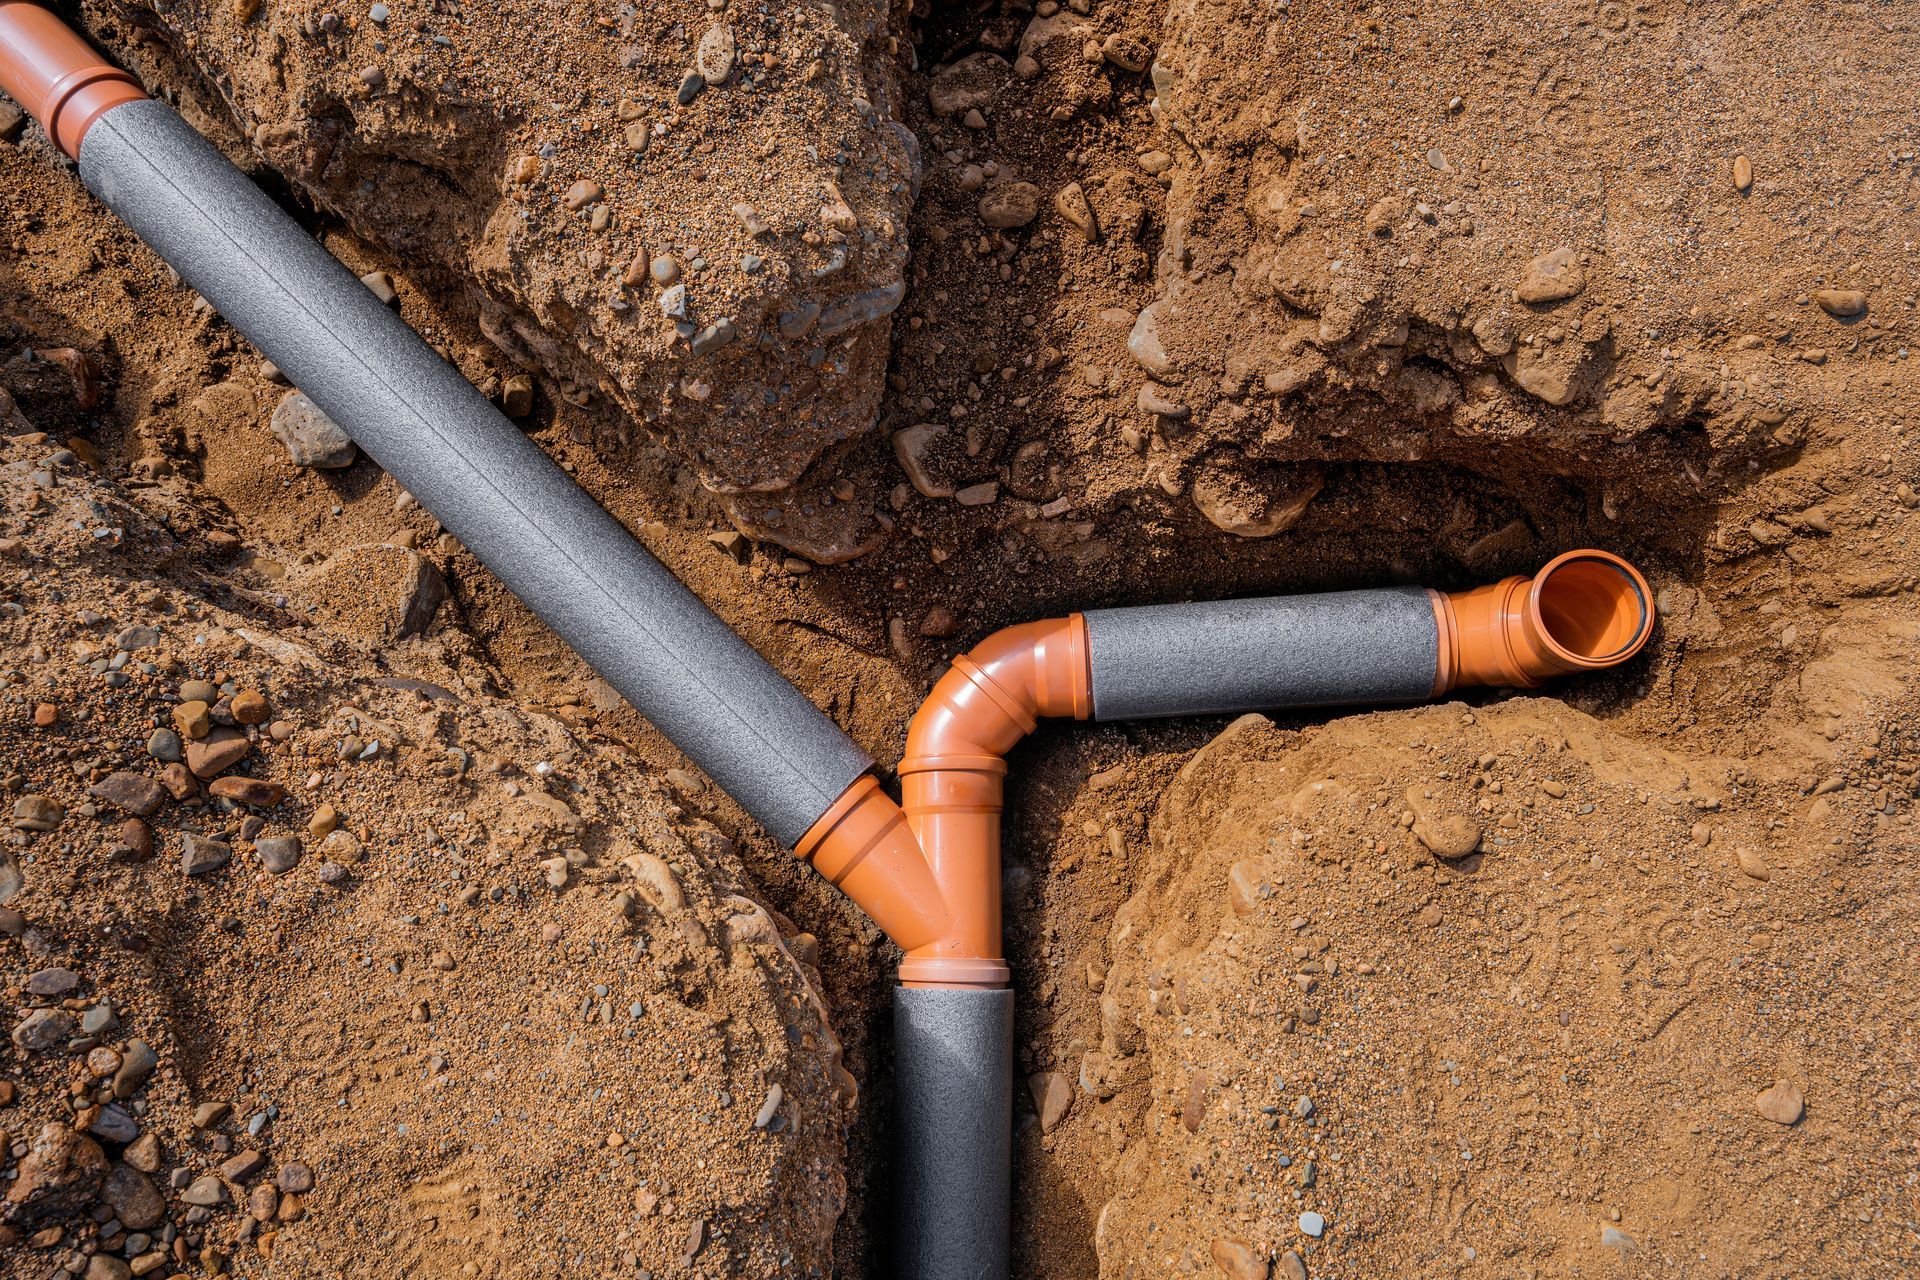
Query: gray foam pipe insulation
[[1337, 648], [706, 689]]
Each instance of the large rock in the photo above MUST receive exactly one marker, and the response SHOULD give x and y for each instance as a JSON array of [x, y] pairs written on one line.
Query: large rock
[[541, 163], [58, 1176]]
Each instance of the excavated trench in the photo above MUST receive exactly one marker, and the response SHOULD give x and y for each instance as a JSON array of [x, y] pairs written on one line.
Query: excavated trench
[[1411, 322]]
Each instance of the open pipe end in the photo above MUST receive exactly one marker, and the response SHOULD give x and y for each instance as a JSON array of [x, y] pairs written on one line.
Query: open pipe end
[[1585, 611], [1590, 609]]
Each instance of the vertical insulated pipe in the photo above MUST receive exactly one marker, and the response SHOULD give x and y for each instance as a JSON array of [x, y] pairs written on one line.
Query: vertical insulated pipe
[[707, 690], [953, 1132]]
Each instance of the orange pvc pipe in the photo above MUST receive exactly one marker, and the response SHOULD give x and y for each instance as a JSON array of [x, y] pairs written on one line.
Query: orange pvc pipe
[[1585, 610], [55, 76], [952, 774]]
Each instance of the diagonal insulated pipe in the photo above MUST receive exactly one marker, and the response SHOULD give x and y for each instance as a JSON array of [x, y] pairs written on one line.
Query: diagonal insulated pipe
[[928, 871]]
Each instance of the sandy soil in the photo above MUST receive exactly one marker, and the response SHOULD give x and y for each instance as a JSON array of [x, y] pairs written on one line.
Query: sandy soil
[[1575, 1052]]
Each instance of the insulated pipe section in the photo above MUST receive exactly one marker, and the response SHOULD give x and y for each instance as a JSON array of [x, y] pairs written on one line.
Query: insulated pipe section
[[575, 566], [953, 1123], [1343, 647]]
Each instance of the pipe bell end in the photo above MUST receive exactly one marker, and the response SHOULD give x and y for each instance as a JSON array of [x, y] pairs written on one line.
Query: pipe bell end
[[1584, 611]]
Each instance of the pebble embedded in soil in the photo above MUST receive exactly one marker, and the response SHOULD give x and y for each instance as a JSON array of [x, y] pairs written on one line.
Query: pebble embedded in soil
[[1554, 276], [1783, 1104], [312, 439]]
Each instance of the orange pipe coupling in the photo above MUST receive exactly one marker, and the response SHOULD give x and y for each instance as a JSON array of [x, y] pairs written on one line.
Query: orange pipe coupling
[[55, 76]]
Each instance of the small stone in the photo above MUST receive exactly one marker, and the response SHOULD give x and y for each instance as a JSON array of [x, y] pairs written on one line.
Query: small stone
[[673, 302], [104, 1265], [44, 1029], [1237, 1260], [1158, 401], [135, 843], [978, 495], [134, 639], [637, 134], [114, 1125], [101, 1020], [278, 854], [1126, 52], [200, 856], [664, 269], [219, 751], [1557, 790], [713, 337], [1071, 203], [250, 707], [1616, 1239], [1742, 174], [380, 285], [523, 169], [208, 1115], [295, 1178], [263, 1202], [199, 691], [1145, 346], [45, 715], [516, 396], [1010, 206], [1841, 304], [1254, 502], [251, 791], [312, 439], [1752, 864], [205, 1191], [714, 57], [133, 792], [133, 1197], [769, 1108], [334, 874], [179, 782], [1552, 277], [243, 1167], [47, 983], [1313, 1224], [1052, 1098], [1292, 1266], [164, 745], [374, 78], [582, 193], [194, 719], [144, 1154], [37, 813], [136, 1064], [1782, 1104], [692, 85], [910, 446], [861, 308]]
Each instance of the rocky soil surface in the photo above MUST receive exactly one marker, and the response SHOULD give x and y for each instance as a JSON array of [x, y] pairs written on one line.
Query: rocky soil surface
[[1193, 301]]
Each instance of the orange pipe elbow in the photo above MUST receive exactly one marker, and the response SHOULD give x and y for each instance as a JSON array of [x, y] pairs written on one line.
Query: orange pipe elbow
[[56, 76], [1585, 610], [952, 781], [928, 870]]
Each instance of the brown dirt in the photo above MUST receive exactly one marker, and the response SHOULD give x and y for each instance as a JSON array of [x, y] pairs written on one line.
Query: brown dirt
[[1717, 899]]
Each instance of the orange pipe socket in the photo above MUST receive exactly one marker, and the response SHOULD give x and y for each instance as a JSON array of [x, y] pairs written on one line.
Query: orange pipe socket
[[55, 76], [1584, 611]]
